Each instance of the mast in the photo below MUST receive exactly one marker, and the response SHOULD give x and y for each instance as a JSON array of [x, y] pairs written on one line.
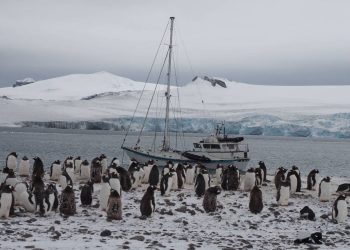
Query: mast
[[166, 140]]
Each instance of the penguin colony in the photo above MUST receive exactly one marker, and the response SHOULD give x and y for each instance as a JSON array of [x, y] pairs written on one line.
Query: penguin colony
[[37, 193]]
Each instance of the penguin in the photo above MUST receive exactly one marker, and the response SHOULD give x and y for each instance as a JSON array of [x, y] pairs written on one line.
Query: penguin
[[262, 166], [293, 179], [104, 163], [175, 179], [205, 173], [38, 189], [77, 164], [86, 194], [67, 203], [69, 168], [112, 169], [11, 178], [114, 207], [11, 160], [50, 198], [104, 192], [283, 193], [255, 200], [19, 188], [166, 168], [24, 167], [166, 184], [5, 172], [218, 174], [27, 201], [38, 168], [136, 174], [114, 183], [312, 180], [340, 209], [307, 213], [115, 161], [124, 177], [324, 191], [68, 161], [210, 199], [96, 170], [345, 187], [250, 179], [230, 178], [148, 204], [153, 178], [55, 170], [297, 171], [181, 176], [200, 185], [85, 170], [189, 169], [280, 176], [259, 176], [6, 201], [315, 238], [147, 169], [65, 180]]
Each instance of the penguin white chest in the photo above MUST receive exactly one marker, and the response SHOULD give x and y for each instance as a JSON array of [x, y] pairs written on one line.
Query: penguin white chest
[[5, 201], [85, 172], [70, 172], [56, 172], [77, 165], [170, 183], [189, 176], [12, 162], [284, 196], [63, 181], [174, 181], [342, 211], [115, 185], [104, 165], [12, 181], [24, 168], [249, 181], [19, 189], [207, 181], [104, 195], [218, 175], [293, 184], [325, 192], [27, 201], [147, 170]]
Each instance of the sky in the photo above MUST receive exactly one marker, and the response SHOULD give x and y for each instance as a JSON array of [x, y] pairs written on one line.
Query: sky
[[284, 42]]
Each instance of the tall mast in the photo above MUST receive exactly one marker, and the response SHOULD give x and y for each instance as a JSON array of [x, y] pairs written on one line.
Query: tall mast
[[166, 141]]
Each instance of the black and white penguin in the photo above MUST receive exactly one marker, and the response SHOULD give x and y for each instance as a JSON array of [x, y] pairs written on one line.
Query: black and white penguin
[[27, 201], [11, 178], [283, 193], [55, 170], [259, 176], [255, 200], [200, 185], [345, 187], [114, 183], [96, 170], [340, 209], [65, 179], [210, 199], [249, 179], [124, 178], [115, 161], [50, 198], [148, 204], [136, 175], [298, 176], [324, 191], [77, 164], [114, 207], [166, 169], [262, 166], [38, 190], [181, 176], [38, 168], [230, 178], [11, 161], [6, 201], [189, 169], [85, 170], [104, 163], [307, 213], [312, 179], [174, 181], [86, 193], [24, 167], [292, 177], [218, 174], [280, 176], [5, 172], [69, 168], [153, 178], [19, 188], [67, 203], [204, 171], [68, 161], [315, 238], [147, 171], [104, 192], [166, 184]]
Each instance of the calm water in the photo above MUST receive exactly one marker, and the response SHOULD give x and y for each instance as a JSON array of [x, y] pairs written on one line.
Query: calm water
[[331, 156]]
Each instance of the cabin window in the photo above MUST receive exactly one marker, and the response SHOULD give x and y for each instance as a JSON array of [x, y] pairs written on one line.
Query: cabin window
[[196, 145], [211, 146], [231, 146]]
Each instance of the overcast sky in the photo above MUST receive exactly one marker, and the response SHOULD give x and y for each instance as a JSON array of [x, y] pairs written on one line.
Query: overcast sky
[[261, 42]]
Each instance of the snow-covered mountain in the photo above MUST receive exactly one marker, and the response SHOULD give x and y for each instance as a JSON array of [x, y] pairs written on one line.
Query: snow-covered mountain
[[109, 100]]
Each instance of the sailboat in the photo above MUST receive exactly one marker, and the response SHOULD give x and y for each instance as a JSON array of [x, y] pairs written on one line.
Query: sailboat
[[211, 151]]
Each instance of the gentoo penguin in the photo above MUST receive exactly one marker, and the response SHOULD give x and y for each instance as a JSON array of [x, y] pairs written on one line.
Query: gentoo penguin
[[315, 238], [115, 161], [11, 178], [55, 170], [167, 167], [114, 182], [38, 189], [86, 194], [50, 198], [345, 187], [124, 178], [114, 207], [136, 174], [166, 184], [85, 170], [104, 163], [218, 174], [255, 200], [297, 171], [6, 201], [19, 188], [249, 179], [11, 161], [5, 172], [77, 164], [283, 193], [324, 191], [112, 169], [69, 168], [27, 201], [340, 209], [210, 197], [68, 161], [65, 179], [174, 182], [96, 170], [259, 176], [230, 178], [307, 213], [38, 168], [67, 203], [148, 204], [292, 177], [104, 192], [153, 178], [200, 185], [24, 167], [280, 176], [262, 166], [205, 173], [147, 171], [189, 169], [312, 180], [181, 176]]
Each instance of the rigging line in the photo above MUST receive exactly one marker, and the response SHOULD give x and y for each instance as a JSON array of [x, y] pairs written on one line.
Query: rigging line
[[149, 106], [144, 86]]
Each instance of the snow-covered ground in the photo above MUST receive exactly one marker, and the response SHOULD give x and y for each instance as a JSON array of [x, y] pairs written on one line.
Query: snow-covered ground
[[181, 223]]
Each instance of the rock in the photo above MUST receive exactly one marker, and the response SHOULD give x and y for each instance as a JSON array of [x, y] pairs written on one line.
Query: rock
[[105, 233], [56, 235], [27, 235], [31, 220], [138, 237], [324, 216]]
